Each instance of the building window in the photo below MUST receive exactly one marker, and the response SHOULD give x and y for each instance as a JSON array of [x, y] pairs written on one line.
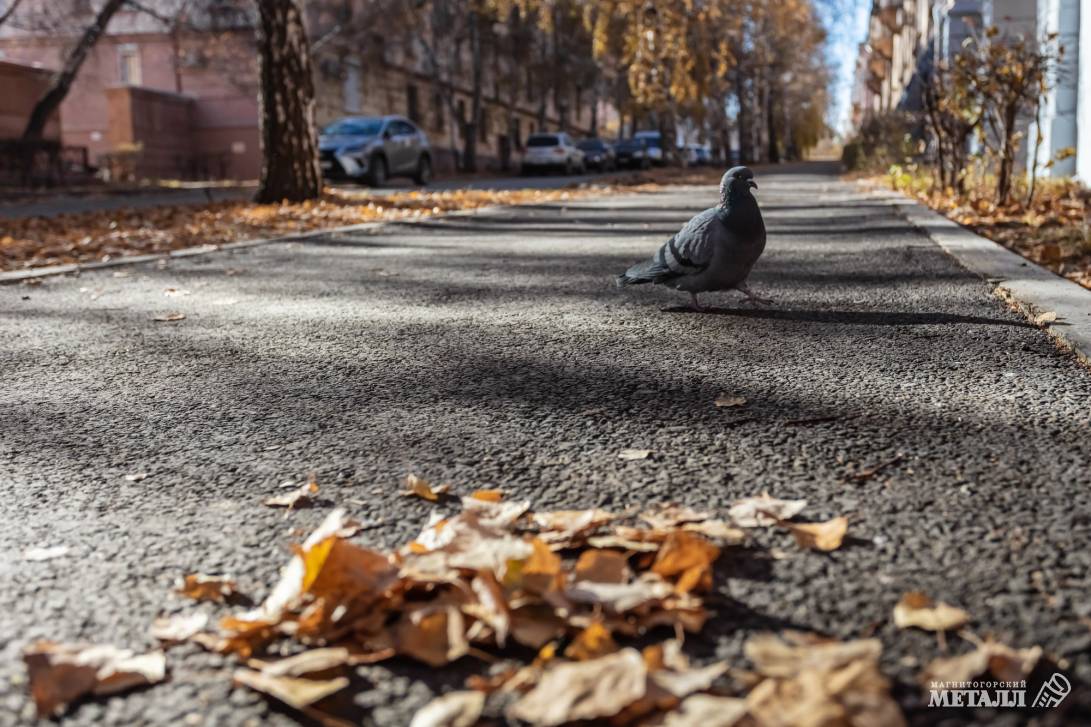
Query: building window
[[128, 57], [351, 88], [412, 103], [438, 112]]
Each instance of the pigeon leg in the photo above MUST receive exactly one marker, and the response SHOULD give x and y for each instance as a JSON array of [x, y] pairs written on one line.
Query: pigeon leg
[[752, 297], [696, 303]]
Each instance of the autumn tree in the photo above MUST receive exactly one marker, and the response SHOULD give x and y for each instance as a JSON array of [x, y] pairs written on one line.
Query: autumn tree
[[289, 138]]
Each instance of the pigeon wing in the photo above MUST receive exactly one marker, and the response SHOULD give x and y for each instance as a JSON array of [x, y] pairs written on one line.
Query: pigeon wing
[[688, 252]]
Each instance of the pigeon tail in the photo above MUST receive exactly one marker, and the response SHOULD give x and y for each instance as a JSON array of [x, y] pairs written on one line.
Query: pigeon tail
[[652, 271]]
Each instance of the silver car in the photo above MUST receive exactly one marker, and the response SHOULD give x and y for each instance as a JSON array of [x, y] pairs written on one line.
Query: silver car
[[552, 151], [375, 148]]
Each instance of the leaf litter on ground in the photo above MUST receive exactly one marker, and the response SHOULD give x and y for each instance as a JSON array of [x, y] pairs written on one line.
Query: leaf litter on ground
[[575, 586]]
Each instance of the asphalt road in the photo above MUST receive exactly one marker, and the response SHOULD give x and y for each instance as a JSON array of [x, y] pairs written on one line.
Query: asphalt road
[[494, 350]]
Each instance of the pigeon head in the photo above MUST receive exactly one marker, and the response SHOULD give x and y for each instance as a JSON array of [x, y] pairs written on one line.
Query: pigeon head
[[736, 184]]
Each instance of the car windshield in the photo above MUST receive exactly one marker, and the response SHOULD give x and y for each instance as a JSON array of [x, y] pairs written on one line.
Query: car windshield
[[543, 141], [354, 127], [591, 145]]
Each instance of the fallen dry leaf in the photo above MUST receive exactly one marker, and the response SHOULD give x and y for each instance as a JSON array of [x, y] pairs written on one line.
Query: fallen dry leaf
[[571, 691], [825, 536], [418, 487], [293, 691], [688, 557], [495, 514], [633, 454], [762, 511], [454, 709], [298, 498], [705, 710], [62, 673], [312, 661], [916, 609], [40, 554], [179, 627], [202, 587], [621, 597], [593, 642], [136, 477], [169, 317], [666, 516], [434, 635], [602, 566], [813, 681], [488, 495], [1002, 662], [726, 400], [1043, 318]]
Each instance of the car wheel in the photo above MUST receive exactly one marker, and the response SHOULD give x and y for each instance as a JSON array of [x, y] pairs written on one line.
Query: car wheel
[[423, 174], [567, 167], [376, 175]]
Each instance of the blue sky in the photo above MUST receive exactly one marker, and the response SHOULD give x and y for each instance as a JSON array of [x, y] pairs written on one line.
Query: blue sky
[[846, 26]]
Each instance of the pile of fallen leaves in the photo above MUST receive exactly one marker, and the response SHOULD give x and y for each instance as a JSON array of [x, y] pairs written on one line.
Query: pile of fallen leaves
[[1054, 231], [549, 600]]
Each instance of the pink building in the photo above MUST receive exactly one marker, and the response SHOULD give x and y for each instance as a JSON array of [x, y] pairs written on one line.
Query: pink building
[[181, 104]]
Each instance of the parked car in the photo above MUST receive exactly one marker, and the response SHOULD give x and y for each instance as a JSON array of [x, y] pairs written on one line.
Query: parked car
[[632, 153], [696, 155], [598, 154], [655, 145], [375, 148], [552, 151]]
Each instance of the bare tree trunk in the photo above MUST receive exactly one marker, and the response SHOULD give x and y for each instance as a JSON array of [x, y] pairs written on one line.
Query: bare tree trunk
[[1037, 149], [744, 116], [289, 140], [469, 154], [10, 11], [62, 82], [771, 124], [1007, 158]]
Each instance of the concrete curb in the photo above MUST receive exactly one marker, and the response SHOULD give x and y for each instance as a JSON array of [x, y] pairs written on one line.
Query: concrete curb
[[1031, 289], [16, 276]]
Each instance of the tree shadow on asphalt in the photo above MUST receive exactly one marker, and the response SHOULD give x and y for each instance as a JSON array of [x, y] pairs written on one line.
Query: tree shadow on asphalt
[[858, 318]]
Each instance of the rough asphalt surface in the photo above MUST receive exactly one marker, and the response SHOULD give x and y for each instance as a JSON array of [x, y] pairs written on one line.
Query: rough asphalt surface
[[494, 351]]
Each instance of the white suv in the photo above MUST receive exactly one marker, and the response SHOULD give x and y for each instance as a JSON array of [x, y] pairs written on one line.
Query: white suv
[[552, 151]]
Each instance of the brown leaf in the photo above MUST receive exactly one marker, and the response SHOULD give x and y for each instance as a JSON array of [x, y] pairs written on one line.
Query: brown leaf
[[169, 317], [621, 597], [705, 710], [1002, 662], [689, 557], [754, 512], [202, 587], [436, 636], [602, 566], [591, 643], [495, 514], [418, 487], [63, 673], [179, 627], [454, 709], [586, 690], [825, 536], [669, 517], [313, 661], [293, 691], [1043, 318], [727, 400], [298, 498], [915, 609], [488, 495]]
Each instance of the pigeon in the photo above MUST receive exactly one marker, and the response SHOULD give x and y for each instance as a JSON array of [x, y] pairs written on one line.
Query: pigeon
[[713, 251]]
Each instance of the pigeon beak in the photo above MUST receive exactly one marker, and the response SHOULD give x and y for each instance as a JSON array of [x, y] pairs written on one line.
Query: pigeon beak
[[752, 184]]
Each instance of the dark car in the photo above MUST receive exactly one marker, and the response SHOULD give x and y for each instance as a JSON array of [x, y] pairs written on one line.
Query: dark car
[[598, 154], [374, 149], [632, 153]]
